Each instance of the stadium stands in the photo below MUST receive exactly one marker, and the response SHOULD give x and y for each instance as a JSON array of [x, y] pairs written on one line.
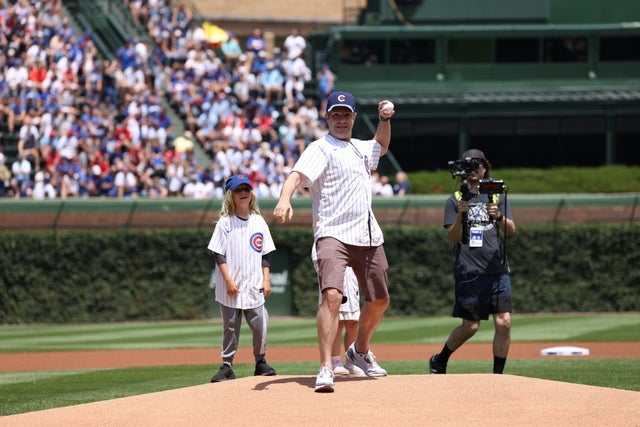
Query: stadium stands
[[137, 102]]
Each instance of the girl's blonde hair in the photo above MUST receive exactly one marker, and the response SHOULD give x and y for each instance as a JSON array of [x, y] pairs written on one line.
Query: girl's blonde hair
[[229, 208]]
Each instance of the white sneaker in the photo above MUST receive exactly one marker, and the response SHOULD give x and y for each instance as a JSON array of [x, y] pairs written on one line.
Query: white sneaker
[[324, 381], [354, 370], [365, 361], [340, 370]]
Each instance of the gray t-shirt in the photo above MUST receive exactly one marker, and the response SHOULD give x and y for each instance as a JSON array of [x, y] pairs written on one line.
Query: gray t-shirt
[[480, 249]]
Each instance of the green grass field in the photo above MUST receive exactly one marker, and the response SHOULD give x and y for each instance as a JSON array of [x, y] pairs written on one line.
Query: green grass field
[[30, 391]]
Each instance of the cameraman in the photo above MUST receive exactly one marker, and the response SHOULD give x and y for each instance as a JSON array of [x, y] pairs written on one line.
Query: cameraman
[[474, 221]]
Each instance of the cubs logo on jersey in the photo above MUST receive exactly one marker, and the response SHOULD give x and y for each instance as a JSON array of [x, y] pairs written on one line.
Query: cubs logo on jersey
[[256, 242]]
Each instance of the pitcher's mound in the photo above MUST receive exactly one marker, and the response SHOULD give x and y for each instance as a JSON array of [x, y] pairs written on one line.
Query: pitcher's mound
[[399, 400]]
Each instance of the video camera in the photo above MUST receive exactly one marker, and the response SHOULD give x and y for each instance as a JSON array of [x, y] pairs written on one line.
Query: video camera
[[464, 167]]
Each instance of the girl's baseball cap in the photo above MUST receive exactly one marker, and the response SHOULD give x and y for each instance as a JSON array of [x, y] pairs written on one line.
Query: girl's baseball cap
[[236, 181]]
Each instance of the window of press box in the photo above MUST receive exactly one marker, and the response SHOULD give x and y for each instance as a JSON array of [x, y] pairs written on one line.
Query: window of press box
[[362, 52], [620, 48], [470, 50], [565, 49], [517, 50], [412, 51]]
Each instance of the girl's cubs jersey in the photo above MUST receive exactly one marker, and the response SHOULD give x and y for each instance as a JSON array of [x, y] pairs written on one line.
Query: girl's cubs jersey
[[243, 243]]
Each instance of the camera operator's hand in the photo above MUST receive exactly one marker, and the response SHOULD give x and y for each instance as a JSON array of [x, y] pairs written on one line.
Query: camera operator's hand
[[454, 231], [493, 211]]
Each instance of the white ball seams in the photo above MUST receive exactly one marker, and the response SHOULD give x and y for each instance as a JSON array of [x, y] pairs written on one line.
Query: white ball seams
[[388, 107]]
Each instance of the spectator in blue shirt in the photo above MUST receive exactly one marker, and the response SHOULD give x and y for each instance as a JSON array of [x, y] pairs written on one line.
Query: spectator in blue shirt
[[272, 82]]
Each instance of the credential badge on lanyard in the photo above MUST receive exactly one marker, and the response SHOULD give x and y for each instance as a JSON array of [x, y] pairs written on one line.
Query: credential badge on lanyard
[[475, 237]]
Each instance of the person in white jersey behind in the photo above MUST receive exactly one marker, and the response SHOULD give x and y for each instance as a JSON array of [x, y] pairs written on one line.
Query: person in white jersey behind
[[240, 244], [336, 168]]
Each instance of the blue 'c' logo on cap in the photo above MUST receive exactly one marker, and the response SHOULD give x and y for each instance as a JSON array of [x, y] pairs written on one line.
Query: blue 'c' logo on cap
[[341, 98]]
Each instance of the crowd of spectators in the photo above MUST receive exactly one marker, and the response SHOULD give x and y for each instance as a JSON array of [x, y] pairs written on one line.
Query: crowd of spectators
[[90, 127]]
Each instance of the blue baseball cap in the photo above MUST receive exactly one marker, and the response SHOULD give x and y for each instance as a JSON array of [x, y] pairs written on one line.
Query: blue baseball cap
[[236, 181], [341, 99]]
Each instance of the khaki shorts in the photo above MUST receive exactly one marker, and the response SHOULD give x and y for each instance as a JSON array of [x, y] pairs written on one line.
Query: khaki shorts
[[350, 309], [369, 264]]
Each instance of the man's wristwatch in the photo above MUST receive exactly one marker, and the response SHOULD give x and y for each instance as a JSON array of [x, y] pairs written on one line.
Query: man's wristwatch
[[500, 218]]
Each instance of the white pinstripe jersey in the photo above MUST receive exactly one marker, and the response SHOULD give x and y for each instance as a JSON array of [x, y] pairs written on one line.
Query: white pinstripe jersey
[[243, 243], [339, 179]]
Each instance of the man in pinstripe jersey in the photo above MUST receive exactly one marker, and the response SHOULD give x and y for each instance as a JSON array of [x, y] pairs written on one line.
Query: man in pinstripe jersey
[[337, 170]]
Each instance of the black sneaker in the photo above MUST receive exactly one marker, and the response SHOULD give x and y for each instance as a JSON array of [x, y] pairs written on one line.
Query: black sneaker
[[263, 369], [225, 373], [435, 367]]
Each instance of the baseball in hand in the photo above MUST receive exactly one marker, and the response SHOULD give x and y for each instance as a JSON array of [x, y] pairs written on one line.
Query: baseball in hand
[[387, 107]]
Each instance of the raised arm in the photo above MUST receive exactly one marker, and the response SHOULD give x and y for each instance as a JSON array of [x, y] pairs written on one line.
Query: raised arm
[[383, 131]]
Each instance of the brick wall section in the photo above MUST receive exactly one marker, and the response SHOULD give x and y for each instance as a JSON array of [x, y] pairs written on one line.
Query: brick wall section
[[421, 217]]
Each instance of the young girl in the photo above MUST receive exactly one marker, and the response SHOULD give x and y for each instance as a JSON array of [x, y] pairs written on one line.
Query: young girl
[[240, 243]]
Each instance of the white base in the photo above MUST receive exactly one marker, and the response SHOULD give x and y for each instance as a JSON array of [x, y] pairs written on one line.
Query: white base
[[564, 351]]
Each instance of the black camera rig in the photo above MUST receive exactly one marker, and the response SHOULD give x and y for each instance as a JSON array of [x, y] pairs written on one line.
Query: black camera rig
[[492, 186], [462, 168]]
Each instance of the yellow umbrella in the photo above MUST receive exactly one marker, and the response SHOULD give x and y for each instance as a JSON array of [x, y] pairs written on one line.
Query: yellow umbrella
[[214, 34]]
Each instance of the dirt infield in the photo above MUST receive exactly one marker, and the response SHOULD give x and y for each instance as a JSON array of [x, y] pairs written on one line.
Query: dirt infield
[[57, 360], [401, 400]]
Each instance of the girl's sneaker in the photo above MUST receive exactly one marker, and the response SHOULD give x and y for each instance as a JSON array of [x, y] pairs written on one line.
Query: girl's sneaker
[[354, 370], [339, 370]]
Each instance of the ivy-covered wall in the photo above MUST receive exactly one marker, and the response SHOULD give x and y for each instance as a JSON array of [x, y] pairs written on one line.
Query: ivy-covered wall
[[118, 275]]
